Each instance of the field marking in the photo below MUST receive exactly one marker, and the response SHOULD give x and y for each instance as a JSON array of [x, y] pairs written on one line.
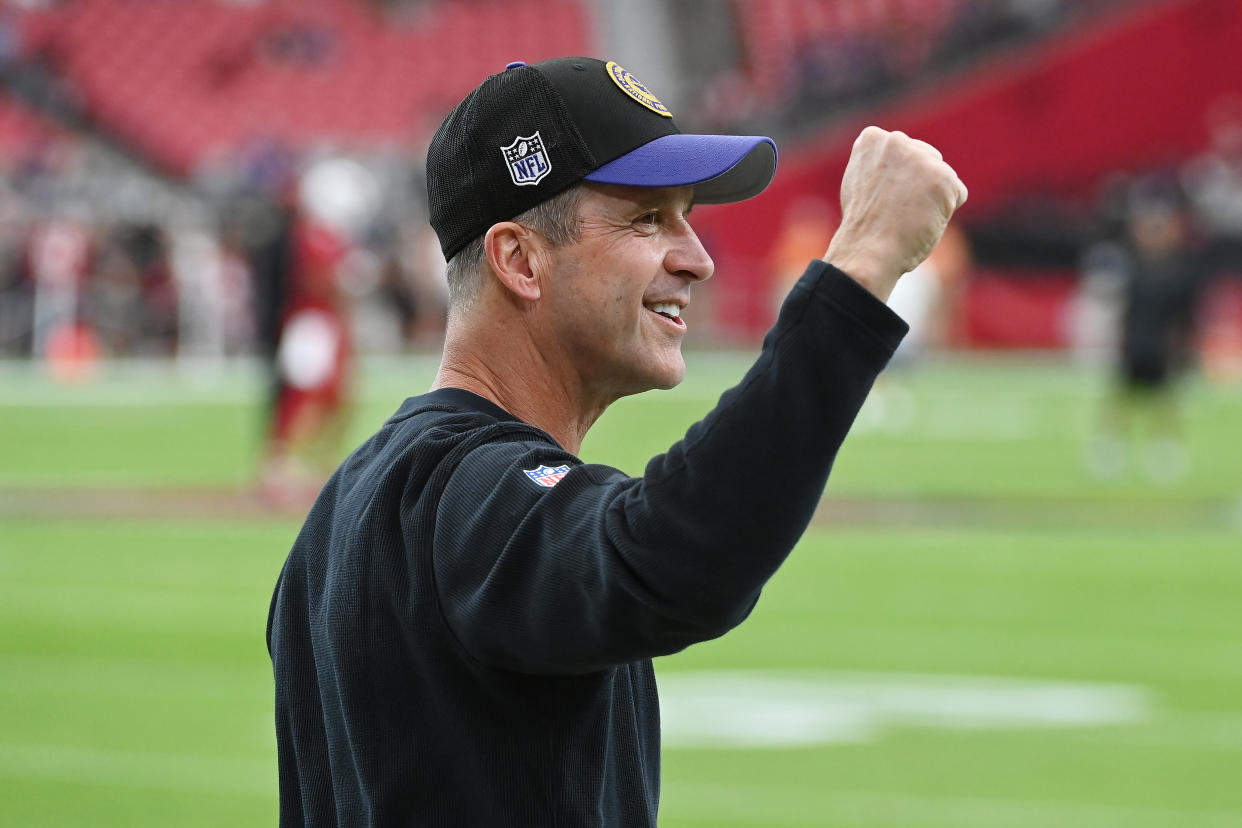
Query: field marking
[[194, 773], [722, 804], [771, 709]]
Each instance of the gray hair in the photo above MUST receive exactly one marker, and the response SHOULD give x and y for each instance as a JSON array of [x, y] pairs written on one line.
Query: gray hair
[[555, 219]]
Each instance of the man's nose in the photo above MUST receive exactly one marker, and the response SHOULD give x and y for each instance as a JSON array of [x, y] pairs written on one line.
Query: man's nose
[[688, 258]]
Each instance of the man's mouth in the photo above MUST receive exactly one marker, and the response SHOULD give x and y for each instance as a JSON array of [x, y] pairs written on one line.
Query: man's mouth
[[669, 310]]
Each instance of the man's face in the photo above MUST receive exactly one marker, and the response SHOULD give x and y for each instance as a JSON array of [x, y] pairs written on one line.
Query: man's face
[[614, 299]]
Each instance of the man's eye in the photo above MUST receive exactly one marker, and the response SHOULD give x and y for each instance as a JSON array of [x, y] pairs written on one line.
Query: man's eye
[[651, 217]]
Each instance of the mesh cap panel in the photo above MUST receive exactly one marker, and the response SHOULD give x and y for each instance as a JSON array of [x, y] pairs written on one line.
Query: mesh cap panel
[[469, 183]]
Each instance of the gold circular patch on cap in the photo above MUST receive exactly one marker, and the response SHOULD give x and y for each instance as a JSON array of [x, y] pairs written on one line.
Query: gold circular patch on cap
[[633, 87]]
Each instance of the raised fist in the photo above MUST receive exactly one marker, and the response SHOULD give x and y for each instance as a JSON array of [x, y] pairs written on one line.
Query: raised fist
[[897, 196]]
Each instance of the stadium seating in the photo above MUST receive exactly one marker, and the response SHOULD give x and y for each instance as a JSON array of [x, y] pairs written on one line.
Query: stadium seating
[[186, 81], [20, 129], [1047, 122], [776, 32]]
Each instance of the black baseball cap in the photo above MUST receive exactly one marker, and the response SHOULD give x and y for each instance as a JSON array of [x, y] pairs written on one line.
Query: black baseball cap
[[532, 131]]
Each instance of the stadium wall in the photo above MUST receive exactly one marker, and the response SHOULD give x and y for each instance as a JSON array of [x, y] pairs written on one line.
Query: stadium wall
[[1130, 90]]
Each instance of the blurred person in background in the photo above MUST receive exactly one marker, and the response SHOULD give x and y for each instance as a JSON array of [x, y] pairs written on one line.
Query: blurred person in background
[[1213, 181], [115, 298], [929, 299], [808, 221], [58, 258], [256, 223], [16, 292], [1159, 270], [129, 297], [314, 350], [160, 323], [396, 302], [430, 287], [214, 285]]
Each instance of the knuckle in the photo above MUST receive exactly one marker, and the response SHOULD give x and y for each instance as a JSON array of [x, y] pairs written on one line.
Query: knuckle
[[869, 135], [929, 149]]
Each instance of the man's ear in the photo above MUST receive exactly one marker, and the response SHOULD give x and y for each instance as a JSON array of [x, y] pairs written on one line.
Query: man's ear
[[508, 247]]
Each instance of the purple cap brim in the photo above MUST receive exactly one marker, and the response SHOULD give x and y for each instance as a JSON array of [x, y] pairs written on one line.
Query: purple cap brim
[[722, 168]]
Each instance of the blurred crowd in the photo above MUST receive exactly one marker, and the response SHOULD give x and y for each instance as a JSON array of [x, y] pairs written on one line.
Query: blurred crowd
[[828, 56], [98, 254], [102, 256]]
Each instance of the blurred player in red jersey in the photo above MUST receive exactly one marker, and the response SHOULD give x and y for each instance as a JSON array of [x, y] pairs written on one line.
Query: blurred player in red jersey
[[314, 352]]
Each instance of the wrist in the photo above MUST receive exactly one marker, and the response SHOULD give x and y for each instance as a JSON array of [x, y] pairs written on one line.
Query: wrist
[[872, 275]]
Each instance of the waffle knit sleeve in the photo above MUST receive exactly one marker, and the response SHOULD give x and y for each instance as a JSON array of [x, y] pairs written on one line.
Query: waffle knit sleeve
[[599, 569]]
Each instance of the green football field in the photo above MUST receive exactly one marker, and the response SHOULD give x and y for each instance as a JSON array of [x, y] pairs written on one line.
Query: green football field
[[975, 631]]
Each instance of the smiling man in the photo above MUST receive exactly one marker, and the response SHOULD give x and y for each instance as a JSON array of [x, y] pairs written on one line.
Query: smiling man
[[600, 318], [463, 631]]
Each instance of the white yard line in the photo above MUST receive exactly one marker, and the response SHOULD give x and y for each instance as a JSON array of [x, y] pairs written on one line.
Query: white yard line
[[773, 709]]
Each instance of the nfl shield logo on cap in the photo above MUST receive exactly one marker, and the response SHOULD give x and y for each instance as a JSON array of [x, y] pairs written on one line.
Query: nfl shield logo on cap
[[528, 162]]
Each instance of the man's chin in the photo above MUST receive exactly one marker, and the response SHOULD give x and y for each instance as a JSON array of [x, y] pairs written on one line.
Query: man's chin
[[663, 378], [671, 376], [670, 383]]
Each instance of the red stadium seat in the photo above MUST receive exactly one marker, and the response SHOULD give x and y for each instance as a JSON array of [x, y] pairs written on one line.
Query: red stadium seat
[[180, 78]]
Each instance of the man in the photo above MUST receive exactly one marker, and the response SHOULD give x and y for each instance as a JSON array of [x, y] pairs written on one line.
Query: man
[[1160, 273], [463, 630]]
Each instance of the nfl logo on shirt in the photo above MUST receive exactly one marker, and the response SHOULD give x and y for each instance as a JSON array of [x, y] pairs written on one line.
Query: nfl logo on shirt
[[528, 162], [547, 476]]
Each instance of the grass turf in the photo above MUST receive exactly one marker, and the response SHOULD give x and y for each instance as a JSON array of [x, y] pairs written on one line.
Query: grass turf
[[135, 688]]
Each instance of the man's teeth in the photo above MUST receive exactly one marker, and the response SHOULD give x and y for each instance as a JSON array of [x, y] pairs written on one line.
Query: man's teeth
[[669, 309]]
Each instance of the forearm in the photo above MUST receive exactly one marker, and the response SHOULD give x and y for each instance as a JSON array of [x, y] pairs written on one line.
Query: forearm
[[603, 569], [739, 490]]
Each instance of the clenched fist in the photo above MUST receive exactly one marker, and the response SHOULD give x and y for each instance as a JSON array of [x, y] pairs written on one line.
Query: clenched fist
[[897, 196]]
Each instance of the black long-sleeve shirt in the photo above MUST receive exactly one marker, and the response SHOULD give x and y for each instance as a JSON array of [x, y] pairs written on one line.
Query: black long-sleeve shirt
[[462, 632]]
